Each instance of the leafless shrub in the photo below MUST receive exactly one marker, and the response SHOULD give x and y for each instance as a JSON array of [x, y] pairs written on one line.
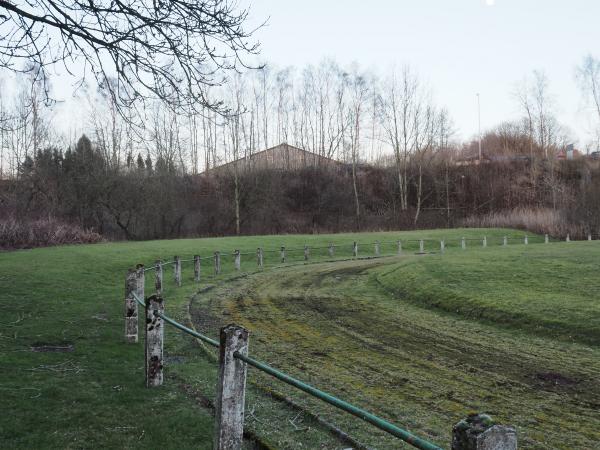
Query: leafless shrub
[[536, 220], [15, 234]]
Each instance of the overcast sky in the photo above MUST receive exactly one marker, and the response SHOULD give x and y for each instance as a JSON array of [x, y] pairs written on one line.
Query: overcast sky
[[460, 47]]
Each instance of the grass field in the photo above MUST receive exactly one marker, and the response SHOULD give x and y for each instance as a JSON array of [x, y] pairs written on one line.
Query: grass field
[[322, 322]]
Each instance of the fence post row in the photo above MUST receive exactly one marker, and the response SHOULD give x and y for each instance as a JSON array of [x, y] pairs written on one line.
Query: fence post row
[[421, 246], [478, 432], [306, 252], [231, 386], [154, 341], [197, 268], [399, 247], [355, 249], [131, 308], [237, 260], [331, 250], [282, 254], [217, 263], [463, 243], [158, 277], [177, 270], [377, 248], [259, 257]]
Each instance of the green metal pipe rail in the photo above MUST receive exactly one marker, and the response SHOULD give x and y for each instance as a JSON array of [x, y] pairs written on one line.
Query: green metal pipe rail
[[378, 422]]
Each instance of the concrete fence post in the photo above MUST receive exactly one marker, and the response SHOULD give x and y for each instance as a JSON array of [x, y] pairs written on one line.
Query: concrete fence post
[[331, 250], [131, 307], [589, 236], [197, 268], [237, 260], [479, 432], [377, 248], [463, 243], [505, 241], [355, 249], [282, 254], [231, 387], [526, 240], [259, 257], [158, 277], [442, 246], [306, 252], [399, 247], [154, 341], [568, 239], [546, 240], [177, 270], [217, 263], [421, 246], [484, 242]]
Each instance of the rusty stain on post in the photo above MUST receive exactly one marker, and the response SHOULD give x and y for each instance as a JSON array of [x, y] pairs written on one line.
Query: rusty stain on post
[[231, 387], [154, 341]]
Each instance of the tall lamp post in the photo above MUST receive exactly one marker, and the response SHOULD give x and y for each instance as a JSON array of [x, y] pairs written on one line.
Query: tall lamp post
[[479, 124]]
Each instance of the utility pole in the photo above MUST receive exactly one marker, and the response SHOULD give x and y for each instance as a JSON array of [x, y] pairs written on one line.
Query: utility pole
[[479, 124]]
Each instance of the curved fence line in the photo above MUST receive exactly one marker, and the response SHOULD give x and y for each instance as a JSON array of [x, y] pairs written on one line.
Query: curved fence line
[[154, 308]]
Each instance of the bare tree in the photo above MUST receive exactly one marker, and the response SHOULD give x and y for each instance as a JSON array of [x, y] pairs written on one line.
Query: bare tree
[[164, 50]]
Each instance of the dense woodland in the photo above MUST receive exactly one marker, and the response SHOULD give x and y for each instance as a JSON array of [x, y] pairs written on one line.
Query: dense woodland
[[148, 175]]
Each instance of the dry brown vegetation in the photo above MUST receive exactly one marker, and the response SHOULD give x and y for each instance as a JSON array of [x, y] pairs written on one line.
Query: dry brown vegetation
[[17, 234]]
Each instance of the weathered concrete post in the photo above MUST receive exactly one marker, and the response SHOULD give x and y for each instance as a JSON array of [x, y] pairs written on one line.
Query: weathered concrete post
[[463, 243], [484, 242], [131, 307], [421, 246], [478, 432], [568, 238], [217, 263], [377, 248], [589, 236], [526, 240], [355, 250], [154, 341], [399, 247], [197, 268], [237, 260], [546, 240], [505, 241], [158, 277], [177, 270], [331, 250], [282, 254], [442, 246], [231, 387], [306, 252], [259, 257]]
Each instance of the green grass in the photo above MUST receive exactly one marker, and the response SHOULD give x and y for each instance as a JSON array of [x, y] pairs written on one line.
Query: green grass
[[95, 396], [426, 360]]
